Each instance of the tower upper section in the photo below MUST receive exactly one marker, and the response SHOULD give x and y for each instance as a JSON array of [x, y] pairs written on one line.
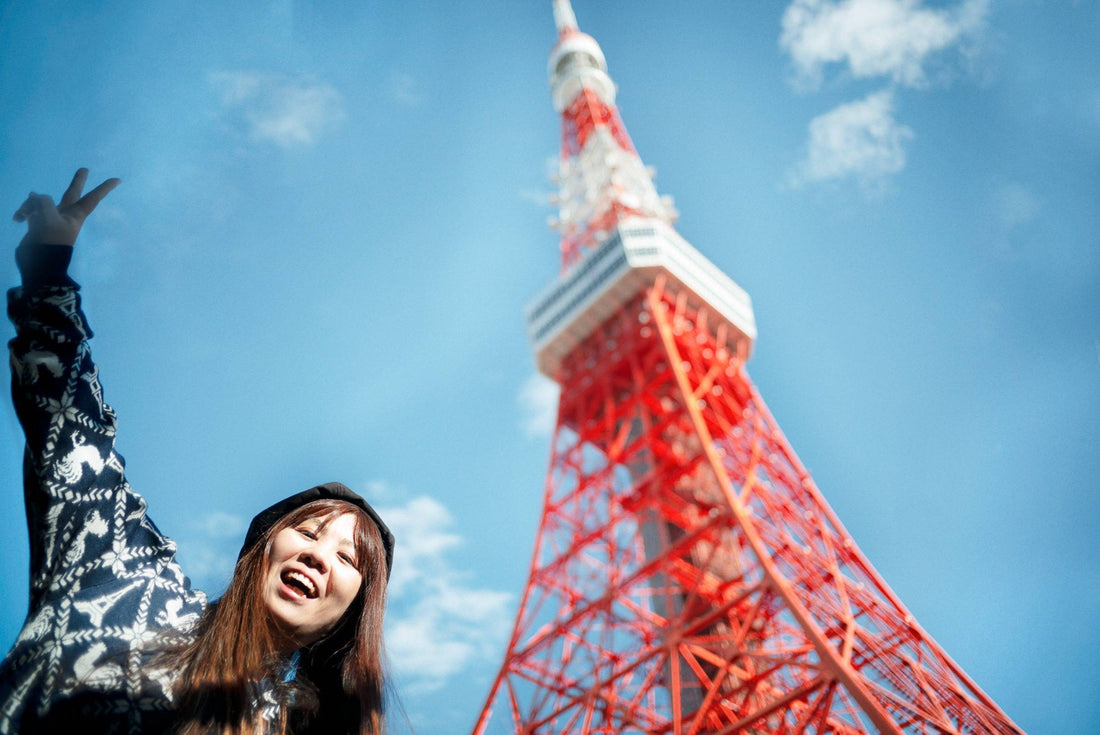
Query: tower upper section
[[602, 179], [616, 231]]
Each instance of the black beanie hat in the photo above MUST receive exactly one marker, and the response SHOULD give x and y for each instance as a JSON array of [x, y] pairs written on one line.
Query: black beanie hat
[[265, 519]]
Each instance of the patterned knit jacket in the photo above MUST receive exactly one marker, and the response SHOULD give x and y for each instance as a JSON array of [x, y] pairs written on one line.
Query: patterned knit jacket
[[106, 591]]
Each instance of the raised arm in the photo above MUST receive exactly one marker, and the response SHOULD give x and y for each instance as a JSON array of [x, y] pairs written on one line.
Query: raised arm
[[73, 481], [105, 585]]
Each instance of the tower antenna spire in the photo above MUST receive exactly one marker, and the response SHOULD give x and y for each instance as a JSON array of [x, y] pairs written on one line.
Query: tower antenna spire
[[564, 18], [602, 180]]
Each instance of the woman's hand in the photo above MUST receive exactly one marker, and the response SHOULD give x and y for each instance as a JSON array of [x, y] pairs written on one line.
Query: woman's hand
[[49, 224]]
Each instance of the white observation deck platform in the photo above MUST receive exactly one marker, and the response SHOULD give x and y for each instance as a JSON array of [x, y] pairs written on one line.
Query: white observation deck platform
[[625, 263]]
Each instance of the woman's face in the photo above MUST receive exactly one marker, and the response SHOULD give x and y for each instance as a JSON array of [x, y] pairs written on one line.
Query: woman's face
[[312, 577]]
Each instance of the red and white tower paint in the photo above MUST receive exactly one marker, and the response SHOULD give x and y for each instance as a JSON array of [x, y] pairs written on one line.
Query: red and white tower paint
[[688, 576]]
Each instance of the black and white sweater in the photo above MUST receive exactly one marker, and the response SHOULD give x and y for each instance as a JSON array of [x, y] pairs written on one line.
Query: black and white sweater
[[106, 591]]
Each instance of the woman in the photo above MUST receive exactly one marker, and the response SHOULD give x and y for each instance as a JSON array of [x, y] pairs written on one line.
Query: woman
[[116, 641]]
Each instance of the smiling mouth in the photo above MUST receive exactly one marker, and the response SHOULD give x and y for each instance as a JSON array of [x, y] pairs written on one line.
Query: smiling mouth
[[300, 583]]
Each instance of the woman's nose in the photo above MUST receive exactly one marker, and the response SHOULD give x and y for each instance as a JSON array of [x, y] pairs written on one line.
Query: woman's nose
[[314, 557]]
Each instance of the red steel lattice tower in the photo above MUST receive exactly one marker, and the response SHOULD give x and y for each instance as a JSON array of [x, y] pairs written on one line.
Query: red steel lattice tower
[[688, 576]]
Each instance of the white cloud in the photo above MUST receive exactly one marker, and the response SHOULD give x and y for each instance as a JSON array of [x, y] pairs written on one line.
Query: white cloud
[[538, 402], [439, 625], [874, 38], [892, 39], [448, 628], [860, 140], [421, 525], [288, 111]]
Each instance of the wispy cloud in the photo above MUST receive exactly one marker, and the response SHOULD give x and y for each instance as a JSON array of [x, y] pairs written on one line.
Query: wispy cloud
[[380, 491], [874, 38], [543, 197], [860, 140], [208, 546], [287, 111], [1013, 206], [538, 403], [538, 197], [439, 624], [405, 90]]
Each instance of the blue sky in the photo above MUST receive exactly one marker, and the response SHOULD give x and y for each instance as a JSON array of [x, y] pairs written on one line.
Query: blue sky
[[332, 214]]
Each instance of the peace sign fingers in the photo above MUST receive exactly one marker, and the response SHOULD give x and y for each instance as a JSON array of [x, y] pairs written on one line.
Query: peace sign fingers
[[84, 206]]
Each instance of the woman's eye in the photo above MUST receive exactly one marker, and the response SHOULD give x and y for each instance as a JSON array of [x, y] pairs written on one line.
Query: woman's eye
[[307, 533], [348, 559]]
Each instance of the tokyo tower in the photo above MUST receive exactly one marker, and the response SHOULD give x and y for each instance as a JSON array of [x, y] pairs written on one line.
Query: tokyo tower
[[688, 576]]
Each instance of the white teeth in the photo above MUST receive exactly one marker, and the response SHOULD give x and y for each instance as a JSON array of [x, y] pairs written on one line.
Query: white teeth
[[304, 581]]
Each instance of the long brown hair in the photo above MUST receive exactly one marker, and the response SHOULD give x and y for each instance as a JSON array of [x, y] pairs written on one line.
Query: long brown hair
[[235, 656]]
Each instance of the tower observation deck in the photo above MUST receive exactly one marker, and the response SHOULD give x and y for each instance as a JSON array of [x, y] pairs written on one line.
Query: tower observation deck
[[688, 576], [632, 256]]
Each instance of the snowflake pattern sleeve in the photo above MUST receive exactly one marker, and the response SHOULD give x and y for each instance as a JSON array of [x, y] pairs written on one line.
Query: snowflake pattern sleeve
[[106, 591]]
